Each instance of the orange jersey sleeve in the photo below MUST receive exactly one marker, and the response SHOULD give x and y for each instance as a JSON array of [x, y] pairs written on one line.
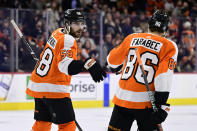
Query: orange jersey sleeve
[[164, 74], [68, 53], [118, 55]]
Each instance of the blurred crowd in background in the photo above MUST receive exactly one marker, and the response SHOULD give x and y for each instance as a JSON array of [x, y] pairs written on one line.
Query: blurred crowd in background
[[113, 19]]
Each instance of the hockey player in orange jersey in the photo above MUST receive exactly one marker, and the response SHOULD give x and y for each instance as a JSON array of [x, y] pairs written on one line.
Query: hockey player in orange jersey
[[50, 80], [159, 56]]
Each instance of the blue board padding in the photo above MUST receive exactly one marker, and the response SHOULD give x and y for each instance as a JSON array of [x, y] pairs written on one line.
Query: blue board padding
[[106, 91]]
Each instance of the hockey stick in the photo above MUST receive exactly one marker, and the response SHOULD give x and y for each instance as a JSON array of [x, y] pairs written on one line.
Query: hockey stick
[[150, 94], [23, 39], [34, 56]]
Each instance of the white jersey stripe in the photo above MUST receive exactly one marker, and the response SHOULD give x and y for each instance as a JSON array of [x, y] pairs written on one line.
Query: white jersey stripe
[[46, 87], [132, 96]]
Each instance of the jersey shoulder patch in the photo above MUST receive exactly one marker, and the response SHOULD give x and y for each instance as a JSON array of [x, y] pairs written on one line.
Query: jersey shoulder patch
[[68, 40]]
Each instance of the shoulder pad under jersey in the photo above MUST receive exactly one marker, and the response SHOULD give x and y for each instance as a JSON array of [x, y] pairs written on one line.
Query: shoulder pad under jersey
[[68, 40]]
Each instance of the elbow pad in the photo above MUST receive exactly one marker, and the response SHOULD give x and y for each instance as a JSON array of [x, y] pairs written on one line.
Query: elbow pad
[[116, 70], [75, 67]]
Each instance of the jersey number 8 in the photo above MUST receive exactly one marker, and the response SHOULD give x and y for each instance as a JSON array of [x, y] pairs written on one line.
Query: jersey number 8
[[45, 63]]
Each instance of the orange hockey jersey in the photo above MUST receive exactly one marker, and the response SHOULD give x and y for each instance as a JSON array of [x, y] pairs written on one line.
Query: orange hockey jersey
[[50, 77], [159, 56]]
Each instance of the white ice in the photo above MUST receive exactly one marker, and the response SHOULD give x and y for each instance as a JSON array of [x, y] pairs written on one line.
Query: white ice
[[181, 118]]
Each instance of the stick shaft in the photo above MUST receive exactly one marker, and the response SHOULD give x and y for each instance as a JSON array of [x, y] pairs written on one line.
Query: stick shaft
[[24, 40], [151, 96]]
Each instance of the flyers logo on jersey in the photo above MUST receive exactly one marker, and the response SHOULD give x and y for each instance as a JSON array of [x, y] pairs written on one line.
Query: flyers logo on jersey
[[66, 53]]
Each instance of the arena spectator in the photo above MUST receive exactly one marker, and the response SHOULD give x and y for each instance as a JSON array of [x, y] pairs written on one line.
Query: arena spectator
[[4, 62], [126, 26], [160, 4], [188, 37], [185, 9], [29, 23], [85, 37], [116, 15], [93, 27], [169, 6], [27, 63], [117, 40], [95, 9], [194, 10], [87, 51], [54, 17], [104, 9], [173, 29], [108, 42], [84, 3], [119, 20], [177, 10], [118, 28], [37, 4], [69, 4], [186, 60], [150, 5], [109, 25]]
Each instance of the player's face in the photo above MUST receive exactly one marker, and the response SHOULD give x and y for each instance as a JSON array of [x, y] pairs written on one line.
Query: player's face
[[77, 28]]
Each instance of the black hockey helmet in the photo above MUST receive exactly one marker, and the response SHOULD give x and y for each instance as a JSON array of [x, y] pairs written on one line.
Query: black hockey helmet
[[159, 21], [71, 15]]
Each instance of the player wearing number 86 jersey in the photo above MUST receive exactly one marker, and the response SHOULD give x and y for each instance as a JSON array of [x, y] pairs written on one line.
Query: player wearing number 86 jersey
[[159, 56]]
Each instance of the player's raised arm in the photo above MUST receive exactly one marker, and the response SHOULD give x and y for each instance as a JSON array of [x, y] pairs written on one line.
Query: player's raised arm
[[116, 57]]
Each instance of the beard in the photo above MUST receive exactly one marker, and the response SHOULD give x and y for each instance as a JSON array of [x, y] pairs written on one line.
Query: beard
[[76, 34]]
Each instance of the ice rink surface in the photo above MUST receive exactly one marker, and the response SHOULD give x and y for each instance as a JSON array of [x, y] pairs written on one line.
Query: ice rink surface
[[181, 118]]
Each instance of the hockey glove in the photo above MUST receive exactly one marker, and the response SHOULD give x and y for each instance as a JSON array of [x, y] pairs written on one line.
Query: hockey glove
[[159, 116], [95, 70]]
